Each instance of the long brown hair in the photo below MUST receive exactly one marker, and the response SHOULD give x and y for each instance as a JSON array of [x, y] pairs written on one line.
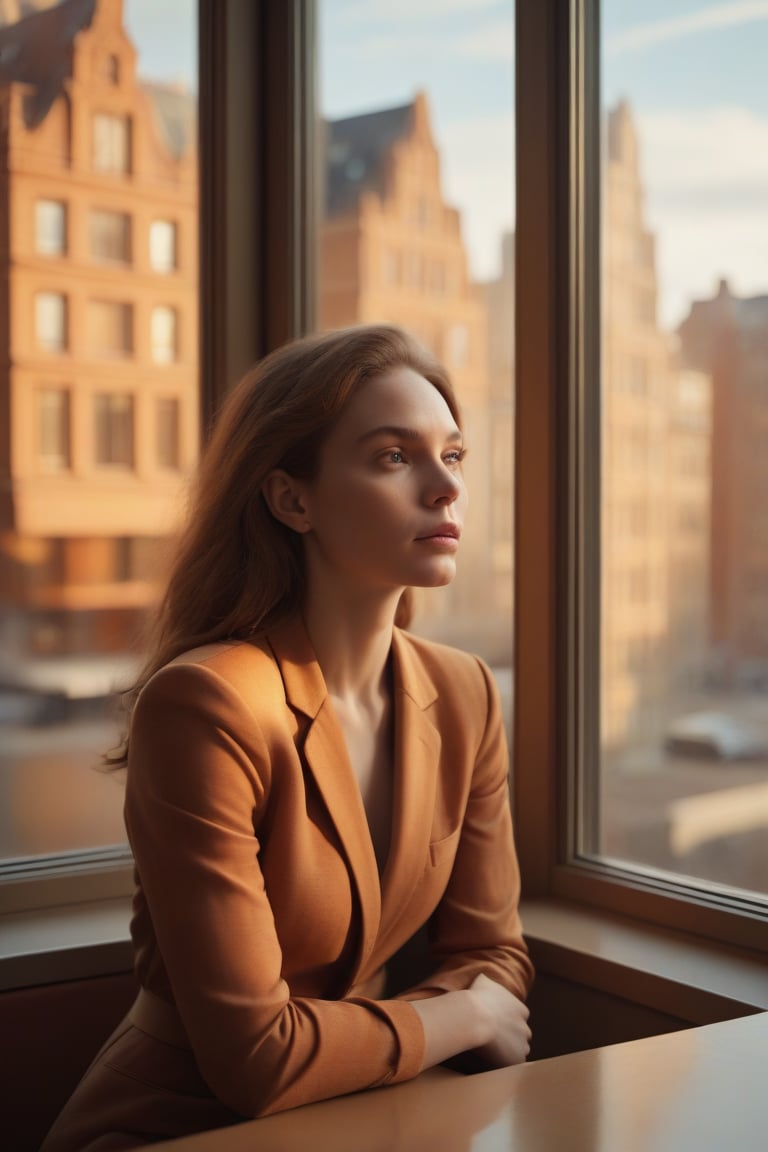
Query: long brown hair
[[237, 570]]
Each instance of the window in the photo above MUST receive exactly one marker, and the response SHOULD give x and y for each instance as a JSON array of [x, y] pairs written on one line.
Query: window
[[51, 321], [50, 227], [54, 429], [109, 328], [113, 416], [549, 618], [458, 346], [164, 335], [418, 199], [168, 432], [109, 235], [81, 561], [658, 795], [598, 771], [111, 143], [162, 246]]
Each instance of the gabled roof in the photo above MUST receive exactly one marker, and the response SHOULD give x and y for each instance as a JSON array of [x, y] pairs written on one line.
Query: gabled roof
[[175, 112], [355, 151], [37, 50]]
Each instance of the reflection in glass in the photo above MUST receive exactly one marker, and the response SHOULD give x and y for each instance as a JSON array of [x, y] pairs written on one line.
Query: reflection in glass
[[684, 528], [415, 230]]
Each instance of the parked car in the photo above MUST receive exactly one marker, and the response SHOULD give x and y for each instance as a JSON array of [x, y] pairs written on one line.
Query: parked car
[[714, 736]]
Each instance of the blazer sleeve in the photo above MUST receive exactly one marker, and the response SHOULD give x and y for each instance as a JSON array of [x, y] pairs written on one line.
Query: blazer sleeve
[[198, 766], [476, 927]]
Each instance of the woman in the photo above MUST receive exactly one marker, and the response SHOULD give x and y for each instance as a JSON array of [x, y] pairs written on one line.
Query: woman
[[308, 785]]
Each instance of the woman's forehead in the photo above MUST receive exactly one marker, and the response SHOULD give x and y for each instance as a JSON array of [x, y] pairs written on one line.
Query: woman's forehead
[[400, 396]]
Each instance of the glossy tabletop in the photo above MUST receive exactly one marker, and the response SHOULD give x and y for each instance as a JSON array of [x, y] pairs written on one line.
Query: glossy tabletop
[[703, 1089]]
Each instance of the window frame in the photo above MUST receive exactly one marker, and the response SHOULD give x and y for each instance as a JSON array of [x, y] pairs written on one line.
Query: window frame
[[168, 230], [256, 232], [97, 219], [114, 431], [41, 226], [164, 334], [43, 300], [111, 143], [557, 321], [257, 178]]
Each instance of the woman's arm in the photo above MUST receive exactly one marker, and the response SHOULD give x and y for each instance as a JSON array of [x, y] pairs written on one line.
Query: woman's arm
[[475, 934], [197, 786], [485, 1018]]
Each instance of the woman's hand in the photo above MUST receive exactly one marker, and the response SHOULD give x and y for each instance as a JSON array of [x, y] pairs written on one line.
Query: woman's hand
[[506, 1020], [484, 1018]]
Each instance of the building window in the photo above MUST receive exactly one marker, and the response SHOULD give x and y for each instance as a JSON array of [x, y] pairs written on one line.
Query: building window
[[54, 429], [109, 328], [51, 321], [164, 334], [168, 432], [458, 346], [109, 235], [162, 246], [111, 143], [391, 266], [113, 415], [50, 227], [112, 69]]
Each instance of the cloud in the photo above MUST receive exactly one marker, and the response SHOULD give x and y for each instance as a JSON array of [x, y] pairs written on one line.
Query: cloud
[[704, 20], [388, 10], [705, 177], [493, 42], [478, 178], [708, 149]]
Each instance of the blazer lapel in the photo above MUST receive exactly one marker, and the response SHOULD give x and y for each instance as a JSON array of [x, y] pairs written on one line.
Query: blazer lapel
[[327, 760], [417, 758]]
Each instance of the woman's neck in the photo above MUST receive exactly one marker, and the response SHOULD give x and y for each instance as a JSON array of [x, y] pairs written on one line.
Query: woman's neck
[[352, 642]]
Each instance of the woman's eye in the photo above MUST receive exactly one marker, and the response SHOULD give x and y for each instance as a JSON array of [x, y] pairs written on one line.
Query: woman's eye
[[395, 456], [455, 457]]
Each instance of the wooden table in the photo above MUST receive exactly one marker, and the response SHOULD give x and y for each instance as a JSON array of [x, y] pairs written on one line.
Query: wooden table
[[703, 1090]]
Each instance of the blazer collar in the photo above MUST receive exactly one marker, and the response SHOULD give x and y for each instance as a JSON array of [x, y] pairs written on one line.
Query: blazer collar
[[305, 687], [416, 762]]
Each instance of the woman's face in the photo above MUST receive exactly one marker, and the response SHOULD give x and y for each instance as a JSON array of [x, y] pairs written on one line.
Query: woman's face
[[386, 508]]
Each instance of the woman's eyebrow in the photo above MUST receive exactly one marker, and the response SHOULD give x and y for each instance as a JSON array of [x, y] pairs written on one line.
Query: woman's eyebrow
[[400, 432]]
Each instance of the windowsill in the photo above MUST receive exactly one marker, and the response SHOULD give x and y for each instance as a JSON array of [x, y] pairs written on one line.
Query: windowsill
[[701, 981], [72, 942], [658, 968]]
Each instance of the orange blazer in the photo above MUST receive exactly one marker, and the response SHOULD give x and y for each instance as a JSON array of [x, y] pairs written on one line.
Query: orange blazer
[[259, 911]]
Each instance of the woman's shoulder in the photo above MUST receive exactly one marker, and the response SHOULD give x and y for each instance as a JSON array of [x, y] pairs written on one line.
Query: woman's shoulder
[[452, 670], [245, 669]]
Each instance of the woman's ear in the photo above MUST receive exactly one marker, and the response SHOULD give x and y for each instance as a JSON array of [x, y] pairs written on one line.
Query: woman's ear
[[284, 497]]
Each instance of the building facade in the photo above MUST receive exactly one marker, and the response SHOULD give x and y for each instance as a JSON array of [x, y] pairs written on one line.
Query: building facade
[[98, 331], [391, 251], [655, 481], [727, 338]]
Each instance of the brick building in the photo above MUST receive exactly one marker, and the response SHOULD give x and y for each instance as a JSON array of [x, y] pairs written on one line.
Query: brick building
[[727, 337], [98, 332], [391, 250], [655, 482]]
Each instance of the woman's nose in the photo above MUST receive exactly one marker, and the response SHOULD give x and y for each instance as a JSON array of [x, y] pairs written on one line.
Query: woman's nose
[[444, 486]]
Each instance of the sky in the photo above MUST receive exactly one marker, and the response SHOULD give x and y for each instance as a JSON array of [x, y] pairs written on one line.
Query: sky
[[693, 71]]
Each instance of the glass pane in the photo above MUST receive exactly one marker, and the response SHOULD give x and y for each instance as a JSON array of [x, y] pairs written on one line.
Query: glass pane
[[90, 484], [50, 227], [684, 645], [110, 236], [416, 230]]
